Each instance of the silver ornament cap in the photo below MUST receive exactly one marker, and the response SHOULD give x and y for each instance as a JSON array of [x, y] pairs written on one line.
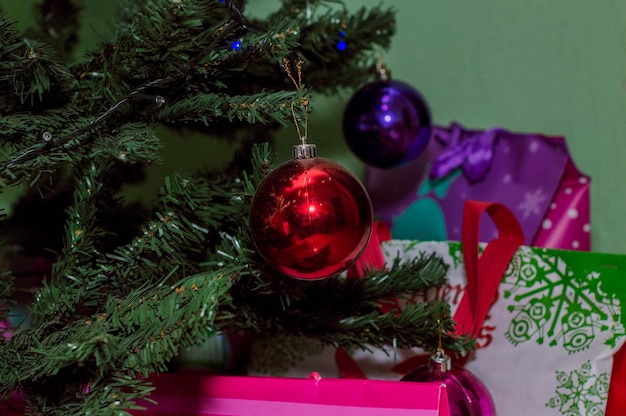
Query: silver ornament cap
[[304, 151], [441, 361]]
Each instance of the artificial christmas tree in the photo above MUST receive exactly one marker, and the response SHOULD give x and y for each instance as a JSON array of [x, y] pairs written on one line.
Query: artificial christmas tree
[[131, 285]]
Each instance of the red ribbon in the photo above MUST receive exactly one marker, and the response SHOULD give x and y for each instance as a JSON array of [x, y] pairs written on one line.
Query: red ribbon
[[371, 259], [484, 274], [480, 292], [617, 387]]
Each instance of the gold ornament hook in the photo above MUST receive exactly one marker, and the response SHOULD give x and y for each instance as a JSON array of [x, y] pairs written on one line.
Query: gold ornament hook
[[439, 344], [440, 356], [382, 69], [297, 82]]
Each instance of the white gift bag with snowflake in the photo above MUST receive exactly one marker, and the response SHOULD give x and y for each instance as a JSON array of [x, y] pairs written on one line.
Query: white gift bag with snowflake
[[547, 345], [547, 341]]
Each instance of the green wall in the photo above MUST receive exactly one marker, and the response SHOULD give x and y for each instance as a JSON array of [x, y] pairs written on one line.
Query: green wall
[[556, 67]]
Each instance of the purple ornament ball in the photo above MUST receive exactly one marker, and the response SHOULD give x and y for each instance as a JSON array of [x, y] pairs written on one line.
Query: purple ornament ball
[[467, 395], [387, 123]]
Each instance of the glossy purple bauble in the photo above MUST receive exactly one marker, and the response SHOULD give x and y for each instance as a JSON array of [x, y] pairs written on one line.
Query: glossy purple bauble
[[467, 395], [387, 123]]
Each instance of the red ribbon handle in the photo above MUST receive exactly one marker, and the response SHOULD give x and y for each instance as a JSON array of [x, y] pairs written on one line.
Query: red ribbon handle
[[372, 257], [617, 387], [484, 274]]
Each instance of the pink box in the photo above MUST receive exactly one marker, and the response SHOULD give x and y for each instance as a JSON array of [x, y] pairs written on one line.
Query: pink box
[[193, 395]]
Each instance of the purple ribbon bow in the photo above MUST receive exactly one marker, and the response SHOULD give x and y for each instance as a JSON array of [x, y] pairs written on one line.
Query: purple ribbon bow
[[472, 153]]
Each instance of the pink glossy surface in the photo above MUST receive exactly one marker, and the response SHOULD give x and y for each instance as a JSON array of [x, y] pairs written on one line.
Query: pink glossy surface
[[467, 395]]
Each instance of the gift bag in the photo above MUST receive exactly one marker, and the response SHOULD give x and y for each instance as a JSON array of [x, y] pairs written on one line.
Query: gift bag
[[548, 322], [195, 395], [531, 174]]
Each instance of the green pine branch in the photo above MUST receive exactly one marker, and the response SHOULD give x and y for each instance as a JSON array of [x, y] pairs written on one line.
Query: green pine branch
[[208, 109], [134, 334], [348, 312], [131, 286]]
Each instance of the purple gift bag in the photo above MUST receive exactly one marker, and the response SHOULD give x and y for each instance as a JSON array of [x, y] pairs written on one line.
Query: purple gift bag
[[532, 174]]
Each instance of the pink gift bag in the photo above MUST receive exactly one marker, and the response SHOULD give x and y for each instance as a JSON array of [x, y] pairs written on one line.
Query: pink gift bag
[[195, 395], [532, 174]]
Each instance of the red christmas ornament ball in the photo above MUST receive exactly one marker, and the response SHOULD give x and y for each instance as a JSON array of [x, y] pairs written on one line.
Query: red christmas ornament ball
[[310, 217]]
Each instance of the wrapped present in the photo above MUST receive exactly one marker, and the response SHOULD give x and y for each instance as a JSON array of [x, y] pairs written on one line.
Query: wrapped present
[[532, 174], [195, 395]]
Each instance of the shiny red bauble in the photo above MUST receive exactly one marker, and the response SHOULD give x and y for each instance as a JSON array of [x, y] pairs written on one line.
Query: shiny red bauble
[[310, 217]]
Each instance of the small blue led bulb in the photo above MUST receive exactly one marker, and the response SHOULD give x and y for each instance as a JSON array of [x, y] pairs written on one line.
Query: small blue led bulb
[[342, 45]]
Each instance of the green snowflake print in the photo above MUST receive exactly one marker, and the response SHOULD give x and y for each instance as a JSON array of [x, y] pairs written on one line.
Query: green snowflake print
[[580, 393], [555, 305], [455, 249]]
